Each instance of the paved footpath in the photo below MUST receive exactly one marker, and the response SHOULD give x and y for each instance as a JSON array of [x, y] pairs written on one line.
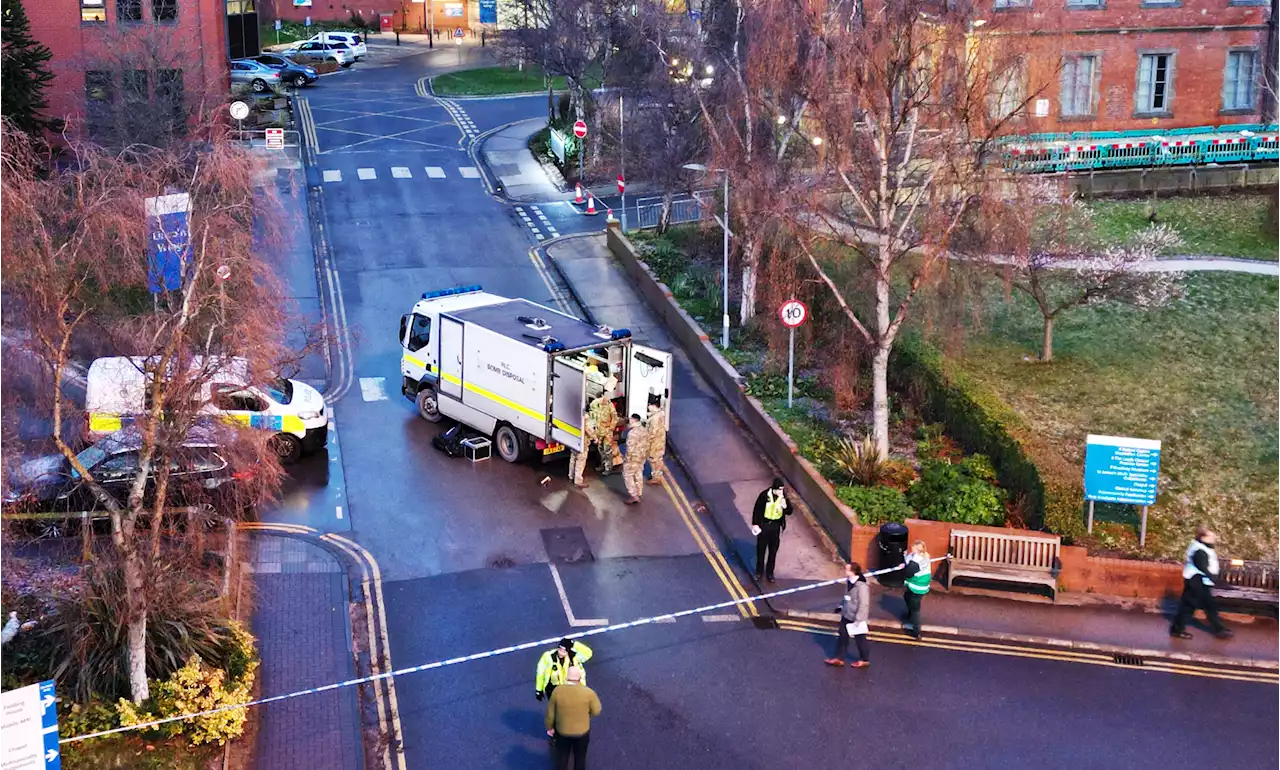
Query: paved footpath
[[304, 635], [729, 472]]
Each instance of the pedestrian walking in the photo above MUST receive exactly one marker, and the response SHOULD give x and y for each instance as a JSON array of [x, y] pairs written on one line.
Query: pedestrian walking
[[854, 610], [633, 466], [657, 443], [1199, 569], [554, 665], [917, 569], [768, 520], [569, 712]]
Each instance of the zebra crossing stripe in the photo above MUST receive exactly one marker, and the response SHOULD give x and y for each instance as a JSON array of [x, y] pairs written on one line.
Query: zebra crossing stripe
[[367, 173], [549, 641], [435, 172], [469, 172], [401, 172], [332, 175]]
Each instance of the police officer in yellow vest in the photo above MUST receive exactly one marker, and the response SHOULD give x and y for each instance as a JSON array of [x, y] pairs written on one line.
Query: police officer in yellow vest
[[768, 519], [1199, 570], [916, 569], [553, 666]]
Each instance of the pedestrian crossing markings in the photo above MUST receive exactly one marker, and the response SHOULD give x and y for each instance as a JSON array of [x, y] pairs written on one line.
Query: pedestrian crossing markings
[[400, 172]]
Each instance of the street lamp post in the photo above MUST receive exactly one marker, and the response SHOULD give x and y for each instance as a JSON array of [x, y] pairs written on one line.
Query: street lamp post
[[724, 319]]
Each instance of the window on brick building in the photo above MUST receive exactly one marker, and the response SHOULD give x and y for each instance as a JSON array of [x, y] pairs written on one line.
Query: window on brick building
[[128, 10], [164, 10], [134, 86], [98, 96], [1085, 4], [1012, 3], [170, 94], [94, 11], [1007, 91], [1079, 85], [1239, 80], [1155, 83]]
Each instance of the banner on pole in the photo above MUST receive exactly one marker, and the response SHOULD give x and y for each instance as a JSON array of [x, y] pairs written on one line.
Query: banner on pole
[[169, 241]]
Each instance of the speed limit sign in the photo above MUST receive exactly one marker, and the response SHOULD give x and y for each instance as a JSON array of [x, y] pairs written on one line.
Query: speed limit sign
[[793, 313]]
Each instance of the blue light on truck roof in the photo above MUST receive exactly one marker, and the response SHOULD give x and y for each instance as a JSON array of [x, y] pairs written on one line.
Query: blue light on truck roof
[[451, 292], [620, 334]]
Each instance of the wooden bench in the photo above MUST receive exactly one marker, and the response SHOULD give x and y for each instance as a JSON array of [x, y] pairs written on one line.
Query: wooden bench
[[1007, 558], [1249, 583]]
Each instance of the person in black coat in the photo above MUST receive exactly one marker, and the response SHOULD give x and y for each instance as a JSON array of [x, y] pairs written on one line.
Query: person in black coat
[[768, 519]]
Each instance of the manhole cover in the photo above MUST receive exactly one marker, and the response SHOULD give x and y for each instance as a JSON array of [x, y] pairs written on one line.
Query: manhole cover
[[566, 545]]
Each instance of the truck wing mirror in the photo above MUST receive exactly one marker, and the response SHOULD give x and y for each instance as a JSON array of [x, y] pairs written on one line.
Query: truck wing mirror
[[404, 325]]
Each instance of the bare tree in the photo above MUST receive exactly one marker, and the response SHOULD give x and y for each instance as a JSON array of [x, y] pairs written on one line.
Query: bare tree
[[77, 266], [894, 117], [1058, 260]]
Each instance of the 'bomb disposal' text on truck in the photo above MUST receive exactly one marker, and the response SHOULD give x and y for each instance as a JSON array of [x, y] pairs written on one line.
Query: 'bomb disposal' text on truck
[[520, 372]]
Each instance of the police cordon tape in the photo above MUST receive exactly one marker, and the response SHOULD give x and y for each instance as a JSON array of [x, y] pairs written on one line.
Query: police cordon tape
[[481, 655]]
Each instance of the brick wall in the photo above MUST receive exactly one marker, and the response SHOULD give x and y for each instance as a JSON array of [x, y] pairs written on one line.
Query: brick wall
[[415, 14], [1198, 32], [197, 39]]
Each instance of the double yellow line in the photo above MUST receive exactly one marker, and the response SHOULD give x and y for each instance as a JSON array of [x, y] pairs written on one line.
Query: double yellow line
[[388, 706], [307, 125], [706, 544], [1064, 656]]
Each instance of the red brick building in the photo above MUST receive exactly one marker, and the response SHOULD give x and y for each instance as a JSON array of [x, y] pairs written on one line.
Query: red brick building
[[411, 15], [1109, 65], [108, 53]]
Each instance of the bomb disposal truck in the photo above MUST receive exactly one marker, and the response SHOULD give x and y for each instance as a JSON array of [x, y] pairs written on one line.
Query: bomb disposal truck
[[520, 372]]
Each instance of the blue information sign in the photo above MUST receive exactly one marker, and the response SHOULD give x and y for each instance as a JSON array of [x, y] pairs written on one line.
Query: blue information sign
[[488, 11], [169, 243], [1121, 470], [49, 726]]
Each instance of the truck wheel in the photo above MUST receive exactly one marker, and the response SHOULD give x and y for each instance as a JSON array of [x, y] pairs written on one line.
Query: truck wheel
[[428, 406], [509, 443], [287, 447]]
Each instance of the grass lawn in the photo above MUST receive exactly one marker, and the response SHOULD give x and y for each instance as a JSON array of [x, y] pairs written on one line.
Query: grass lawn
[[492, 81], [1226, 225], [1200, 375]]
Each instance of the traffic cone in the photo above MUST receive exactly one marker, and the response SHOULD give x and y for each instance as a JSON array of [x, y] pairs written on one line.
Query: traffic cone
[[591, 205], [577, 198], [608, 215]]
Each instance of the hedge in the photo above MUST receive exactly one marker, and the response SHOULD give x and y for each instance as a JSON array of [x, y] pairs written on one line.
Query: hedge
[[1031, 471]]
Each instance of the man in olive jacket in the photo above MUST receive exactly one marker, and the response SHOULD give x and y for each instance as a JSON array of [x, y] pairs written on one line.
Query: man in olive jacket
[[569, 712]]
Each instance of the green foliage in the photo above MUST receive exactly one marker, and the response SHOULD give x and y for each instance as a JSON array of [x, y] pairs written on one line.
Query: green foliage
[[983, 424], [774, 385], [875, 505], [859, 461], [85, 718], [1223, 225], [956, 493], [25, 73], [493, 81], [193, 688], [86, 638]]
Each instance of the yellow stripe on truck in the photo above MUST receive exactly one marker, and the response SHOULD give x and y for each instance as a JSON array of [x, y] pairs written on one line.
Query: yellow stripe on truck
[[566, 427], [100, 422], [415, 361], [292, 423], [494, 397]]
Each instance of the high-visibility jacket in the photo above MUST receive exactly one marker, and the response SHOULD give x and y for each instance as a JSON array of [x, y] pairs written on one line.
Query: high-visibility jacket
[[1189, 568], [775, 507], [552, 669], [919, 582]]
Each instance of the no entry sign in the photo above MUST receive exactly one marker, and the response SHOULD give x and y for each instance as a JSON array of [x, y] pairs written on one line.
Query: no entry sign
[[793, 313], [622, 184], [580, 129]]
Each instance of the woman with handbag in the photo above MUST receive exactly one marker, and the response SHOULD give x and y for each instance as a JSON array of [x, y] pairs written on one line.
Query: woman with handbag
[[854, 610]]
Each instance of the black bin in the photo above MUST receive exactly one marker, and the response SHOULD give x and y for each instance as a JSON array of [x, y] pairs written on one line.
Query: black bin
[[893, 545]]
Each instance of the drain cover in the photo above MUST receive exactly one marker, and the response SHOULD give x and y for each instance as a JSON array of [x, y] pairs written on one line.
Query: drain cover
[[1128, 660], [566, 545]]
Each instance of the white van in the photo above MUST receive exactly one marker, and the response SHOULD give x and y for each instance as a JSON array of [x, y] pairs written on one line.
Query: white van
[[116, 392]]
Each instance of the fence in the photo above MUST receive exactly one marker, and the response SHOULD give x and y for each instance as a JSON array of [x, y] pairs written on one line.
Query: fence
[[1099, 150], [649, 212]]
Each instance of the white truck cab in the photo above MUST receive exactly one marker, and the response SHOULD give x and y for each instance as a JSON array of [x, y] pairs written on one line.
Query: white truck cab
[[521, 372]]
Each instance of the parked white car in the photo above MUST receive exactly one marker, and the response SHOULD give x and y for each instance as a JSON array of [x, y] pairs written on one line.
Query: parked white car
[[353, 40], [334, 51]]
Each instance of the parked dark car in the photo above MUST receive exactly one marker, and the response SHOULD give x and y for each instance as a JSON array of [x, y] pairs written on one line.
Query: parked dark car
[[199, 473], [291, 72]]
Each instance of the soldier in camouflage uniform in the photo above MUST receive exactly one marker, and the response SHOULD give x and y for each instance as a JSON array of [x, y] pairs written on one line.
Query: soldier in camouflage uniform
[[633, 466], [657, 429], [602, 418]]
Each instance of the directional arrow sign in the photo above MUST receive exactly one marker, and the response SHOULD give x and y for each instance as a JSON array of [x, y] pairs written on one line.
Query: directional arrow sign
[[29, 729]]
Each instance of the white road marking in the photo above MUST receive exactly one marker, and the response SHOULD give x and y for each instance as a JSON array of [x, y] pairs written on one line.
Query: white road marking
[[366, 173], [539, 235], [373, 388], [469, 172], [720, 618], [401, 172], [332, 175], [564, 602], [339, 511], [435, 172]]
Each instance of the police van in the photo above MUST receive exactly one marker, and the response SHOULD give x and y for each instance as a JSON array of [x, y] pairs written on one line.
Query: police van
[[116, 391], [520, 372]]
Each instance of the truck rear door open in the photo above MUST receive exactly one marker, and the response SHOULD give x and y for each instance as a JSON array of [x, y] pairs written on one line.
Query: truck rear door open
[[451, 357], [568, 403], [648, 374]]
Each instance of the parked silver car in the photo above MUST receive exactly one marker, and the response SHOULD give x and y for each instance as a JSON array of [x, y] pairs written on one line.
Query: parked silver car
[[258, 77]]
